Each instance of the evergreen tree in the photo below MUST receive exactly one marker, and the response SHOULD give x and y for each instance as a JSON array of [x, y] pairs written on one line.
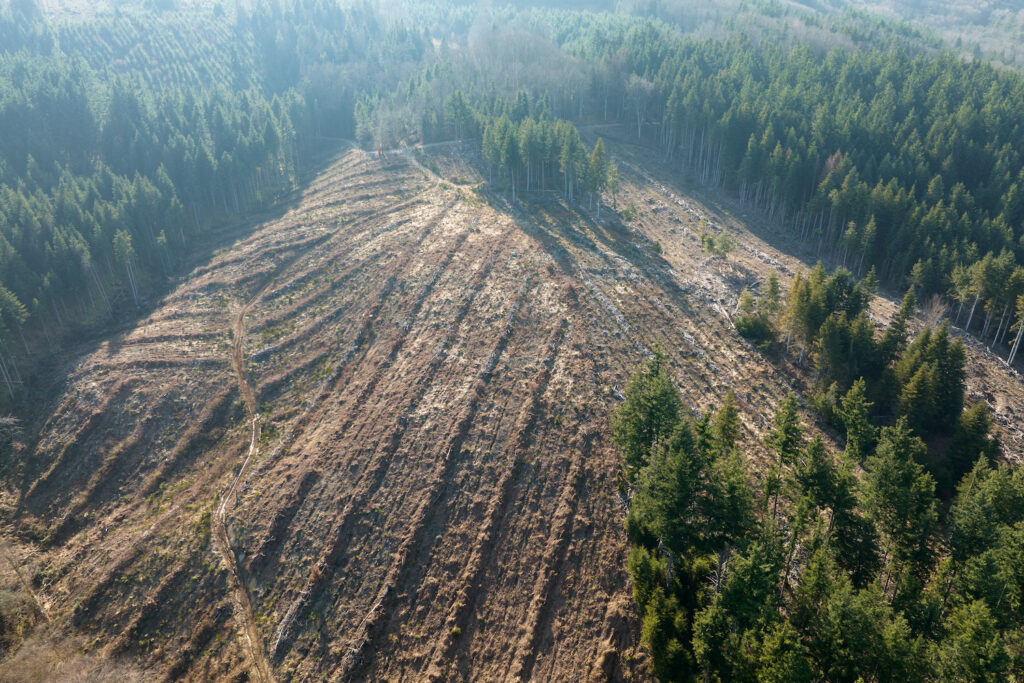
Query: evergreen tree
[[856, 418], [900, 497], [649, 414], [597, 173], [726, 425], [973, 649]]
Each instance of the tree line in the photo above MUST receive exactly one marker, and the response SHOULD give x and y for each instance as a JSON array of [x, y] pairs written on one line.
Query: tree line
[[863, 380], [529, 152], [889, 154], [94, 200]]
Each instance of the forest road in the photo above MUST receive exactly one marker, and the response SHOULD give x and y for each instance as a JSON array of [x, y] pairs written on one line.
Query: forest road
[[239, 594]]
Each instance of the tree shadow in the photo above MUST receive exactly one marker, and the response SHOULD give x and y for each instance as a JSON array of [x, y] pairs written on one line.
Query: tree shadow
[[548, 217], [721, 206]]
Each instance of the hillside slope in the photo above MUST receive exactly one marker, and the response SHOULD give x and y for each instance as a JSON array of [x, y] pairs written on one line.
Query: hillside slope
[[429, 492], [367, 439]]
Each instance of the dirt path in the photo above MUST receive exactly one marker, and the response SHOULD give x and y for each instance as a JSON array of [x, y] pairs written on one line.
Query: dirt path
[[239, 595], [8, 553]]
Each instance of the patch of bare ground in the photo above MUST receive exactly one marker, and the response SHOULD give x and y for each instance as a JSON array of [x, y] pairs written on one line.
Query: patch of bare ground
[[670, 205], [367, 438]]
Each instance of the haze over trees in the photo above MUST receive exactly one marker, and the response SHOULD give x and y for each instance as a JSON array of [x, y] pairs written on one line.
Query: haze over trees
[[877, 157], [883, 156], [138, 131], [880, 156]]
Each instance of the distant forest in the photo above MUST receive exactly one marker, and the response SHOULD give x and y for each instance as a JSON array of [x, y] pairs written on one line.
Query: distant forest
[[884, 156], [139, 129]]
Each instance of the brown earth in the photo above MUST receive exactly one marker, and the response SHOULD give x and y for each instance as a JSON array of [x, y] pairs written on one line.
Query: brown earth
[[367, 440], [669, 202]]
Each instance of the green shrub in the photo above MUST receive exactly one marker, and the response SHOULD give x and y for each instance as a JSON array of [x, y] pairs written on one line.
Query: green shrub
[[757, 329]]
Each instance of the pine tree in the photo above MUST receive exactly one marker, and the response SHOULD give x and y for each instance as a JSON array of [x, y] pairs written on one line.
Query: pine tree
[[783, 658], [816, 475], [856, 418], [786, 439], [612, 182], [772, 300], [900, 497], [726, 426], [648, 415], [597, 173], [895, 336], [973, 649], [125, 255]]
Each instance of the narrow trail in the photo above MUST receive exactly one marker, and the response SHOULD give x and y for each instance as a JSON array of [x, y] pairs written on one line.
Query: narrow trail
[[239, 595], [219, 528], [26, 586]]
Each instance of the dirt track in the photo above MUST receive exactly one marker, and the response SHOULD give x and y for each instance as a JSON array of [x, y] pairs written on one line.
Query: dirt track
[[239, 594]]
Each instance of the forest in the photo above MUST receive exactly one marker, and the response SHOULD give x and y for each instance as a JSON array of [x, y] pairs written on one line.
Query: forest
[[118, 135], [128, 150], [885, 155], [894, 559]]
